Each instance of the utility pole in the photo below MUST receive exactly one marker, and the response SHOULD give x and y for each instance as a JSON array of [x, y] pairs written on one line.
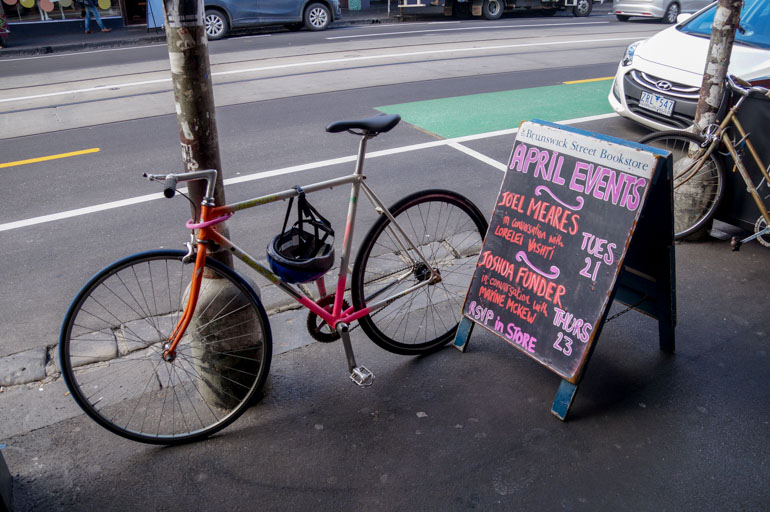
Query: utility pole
[[194, 97], [222, 378], [726, 20]]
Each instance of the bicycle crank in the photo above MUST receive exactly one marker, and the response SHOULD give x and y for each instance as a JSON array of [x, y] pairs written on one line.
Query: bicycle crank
[[761, 234], [318, 328], [762, 231]]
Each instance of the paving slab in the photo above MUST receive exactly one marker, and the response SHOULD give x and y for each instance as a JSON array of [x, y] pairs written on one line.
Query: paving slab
[[24, 367]]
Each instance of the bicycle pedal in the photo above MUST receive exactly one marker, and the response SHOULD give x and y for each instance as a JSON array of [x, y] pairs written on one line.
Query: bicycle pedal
[[362, 376]]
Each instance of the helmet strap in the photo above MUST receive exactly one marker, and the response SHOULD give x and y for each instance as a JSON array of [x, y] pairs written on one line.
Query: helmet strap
[[307, 214]]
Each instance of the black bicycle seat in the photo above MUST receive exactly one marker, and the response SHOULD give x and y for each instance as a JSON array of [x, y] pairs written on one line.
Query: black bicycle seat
[[371, 125]]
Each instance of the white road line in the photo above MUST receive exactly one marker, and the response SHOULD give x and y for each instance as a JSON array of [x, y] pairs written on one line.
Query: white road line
[[330, 61], [454, 143], [479, 156], [138, 47], [247, 37], [88, 89], [80, 211], [48, 56], [379, 26], [485, 27]]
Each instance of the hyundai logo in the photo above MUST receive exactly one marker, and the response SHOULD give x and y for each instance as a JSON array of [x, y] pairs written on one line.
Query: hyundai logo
[[663, 85]]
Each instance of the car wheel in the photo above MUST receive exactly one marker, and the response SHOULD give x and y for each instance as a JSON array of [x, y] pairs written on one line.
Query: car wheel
[[622, 17], [492, 9], [216, 24], [583, 8], [671, 13], [317, 17]]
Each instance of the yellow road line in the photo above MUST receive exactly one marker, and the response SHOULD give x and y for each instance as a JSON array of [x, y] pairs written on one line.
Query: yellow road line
[[50, 157], [590, 80]]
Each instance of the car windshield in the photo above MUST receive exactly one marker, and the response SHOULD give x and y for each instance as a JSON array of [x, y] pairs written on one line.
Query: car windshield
[[754, 29]]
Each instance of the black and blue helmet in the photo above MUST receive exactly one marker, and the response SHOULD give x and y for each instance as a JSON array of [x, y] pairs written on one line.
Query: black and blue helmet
[[304, 252]]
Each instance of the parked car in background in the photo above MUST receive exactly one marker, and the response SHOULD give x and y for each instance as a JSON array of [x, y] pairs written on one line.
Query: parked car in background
[[664, 10], [493, 9], [223, 15], [658, 80]]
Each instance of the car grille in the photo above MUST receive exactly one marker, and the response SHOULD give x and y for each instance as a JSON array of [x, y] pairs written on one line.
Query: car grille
[[686, 98], [682, 91]]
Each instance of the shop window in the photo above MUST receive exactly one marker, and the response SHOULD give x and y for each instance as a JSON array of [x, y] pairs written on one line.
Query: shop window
[[17, 11]]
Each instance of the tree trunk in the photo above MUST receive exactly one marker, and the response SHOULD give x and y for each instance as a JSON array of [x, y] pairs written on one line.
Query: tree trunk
[[723, 30]]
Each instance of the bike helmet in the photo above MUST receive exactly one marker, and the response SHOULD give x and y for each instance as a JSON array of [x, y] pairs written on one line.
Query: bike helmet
[[304, 252]]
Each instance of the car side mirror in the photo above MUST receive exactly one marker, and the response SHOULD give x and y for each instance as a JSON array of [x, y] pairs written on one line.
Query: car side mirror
[[681, 18]]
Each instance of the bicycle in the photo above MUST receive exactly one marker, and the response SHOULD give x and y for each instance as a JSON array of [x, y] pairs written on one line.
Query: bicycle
[[699, 172], [158, 349]]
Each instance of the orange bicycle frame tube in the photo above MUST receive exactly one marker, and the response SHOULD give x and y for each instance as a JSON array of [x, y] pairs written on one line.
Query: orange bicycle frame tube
[[195, 287]]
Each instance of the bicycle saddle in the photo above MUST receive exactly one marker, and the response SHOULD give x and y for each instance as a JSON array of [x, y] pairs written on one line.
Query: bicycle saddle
[[370, 126]]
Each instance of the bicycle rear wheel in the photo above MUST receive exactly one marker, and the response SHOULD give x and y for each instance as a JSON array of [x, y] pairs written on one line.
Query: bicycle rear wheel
[[696, 194], [448, 229], [113, 337]]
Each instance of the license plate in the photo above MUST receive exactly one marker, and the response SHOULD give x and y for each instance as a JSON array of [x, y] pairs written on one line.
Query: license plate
[[656, 103]]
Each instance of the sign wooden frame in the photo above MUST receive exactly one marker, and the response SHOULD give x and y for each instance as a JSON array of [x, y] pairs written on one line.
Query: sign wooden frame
[[571, 196]]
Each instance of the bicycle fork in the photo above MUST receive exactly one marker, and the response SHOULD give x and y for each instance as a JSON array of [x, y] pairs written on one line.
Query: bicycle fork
[[169, 349]]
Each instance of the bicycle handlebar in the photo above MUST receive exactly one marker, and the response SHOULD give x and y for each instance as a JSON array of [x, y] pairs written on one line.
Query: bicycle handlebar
[[744, 88], [170, 181]]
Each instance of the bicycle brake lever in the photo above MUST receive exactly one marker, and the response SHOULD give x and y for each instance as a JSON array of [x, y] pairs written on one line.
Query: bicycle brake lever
[[169, 183]]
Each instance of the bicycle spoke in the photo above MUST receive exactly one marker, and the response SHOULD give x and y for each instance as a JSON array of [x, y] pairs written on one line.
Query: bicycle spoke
[[448, 231], [112, 353]]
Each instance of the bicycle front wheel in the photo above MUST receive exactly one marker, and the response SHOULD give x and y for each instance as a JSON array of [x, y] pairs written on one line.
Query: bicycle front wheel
[[448, 230], [115, 332], [697, 190]]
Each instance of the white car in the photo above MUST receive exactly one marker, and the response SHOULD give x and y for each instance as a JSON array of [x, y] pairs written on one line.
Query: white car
[[658, 80]]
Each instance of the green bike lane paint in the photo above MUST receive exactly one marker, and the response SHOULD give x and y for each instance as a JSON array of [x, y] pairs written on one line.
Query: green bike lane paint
[[472, 114]]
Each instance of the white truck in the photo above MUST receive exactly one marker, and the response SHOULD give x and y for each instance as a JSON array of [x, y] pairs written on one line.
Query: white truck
[[493, 9]]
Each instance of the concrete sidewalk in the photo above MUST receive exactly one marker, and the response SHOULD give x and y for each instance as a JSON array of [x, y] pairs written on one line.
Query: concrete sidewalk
[[451, 431], [26, 40]]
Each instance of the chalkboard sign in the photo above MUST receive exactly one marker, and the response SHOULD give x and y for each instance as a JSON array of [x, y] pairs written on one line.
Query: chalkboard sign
[[559, 233]]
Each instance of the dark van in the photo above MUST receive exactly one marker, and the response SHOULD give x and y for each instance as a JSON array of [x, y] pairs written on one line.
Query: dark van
[[223, 15]]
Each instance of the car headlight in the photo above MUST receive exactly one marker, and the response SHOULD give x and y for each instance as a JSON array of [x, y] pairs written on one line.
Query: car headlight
[[628, 57]]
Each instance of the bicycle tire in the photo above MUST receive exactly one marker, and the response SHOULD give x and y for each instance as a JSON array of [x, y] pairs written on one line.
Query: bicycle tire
[[449, 229], [692, 211], [112, 339]]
